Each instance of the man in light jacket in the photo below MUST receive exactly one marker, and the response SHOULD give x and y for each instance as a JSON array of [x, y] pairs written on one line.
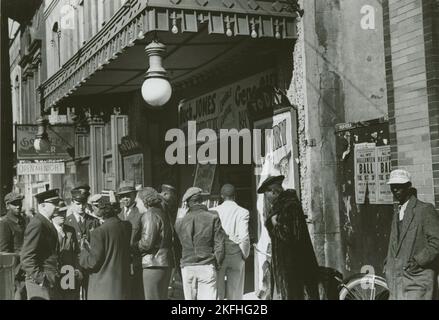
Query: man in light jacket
[[202, 240], [234, 220]]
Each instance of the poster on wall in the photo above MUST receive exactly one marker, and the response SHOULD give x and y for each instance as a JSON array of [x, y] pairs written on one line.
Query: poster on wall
[[372, 170], [133, 168], [278, 153], [226, 107], [204, 175], [384, 194], [365, 173]]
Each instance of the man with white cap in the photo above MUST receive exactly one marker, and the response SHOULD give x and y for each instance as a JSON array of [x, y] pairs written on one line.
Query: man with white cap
[[202, 240], [411, 264]]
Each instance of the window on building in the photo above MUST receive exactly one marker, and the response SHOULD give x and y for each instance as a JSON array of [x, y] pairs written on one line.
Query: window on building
[[55, 45], [80, 23], [101, 14]]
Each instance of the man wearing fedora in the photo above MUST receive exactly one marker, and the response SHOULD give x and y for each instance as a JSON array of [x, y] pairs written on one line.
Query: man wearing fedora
[[39, 254], [412, 257], [129, 212], [294, 264], [12, 228], [82, 222]]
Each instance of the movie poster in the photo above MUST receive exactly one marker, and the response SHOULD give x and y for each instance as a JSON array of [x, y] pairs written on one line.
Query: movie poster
[[365, 173]]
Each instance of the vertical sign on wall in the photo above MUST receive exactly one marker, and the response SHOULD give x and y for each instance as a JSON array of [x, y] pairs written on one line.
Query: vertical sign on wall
[[384, 195]]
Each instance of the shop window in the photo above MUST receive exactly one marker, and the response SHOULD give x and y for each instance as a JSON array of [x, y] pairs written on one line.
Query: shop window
[[83, 145]]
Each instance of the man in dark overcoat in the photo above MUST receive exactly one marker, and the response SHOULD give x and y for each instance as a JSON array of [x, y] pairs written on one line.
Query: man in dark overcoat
[[107, 257], [39, 257], [412, 258]]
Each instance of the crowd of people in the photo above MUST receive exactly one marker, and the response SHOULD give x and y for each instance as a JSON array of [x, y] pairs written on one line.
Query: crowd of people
[[126, 244], [129, 244]]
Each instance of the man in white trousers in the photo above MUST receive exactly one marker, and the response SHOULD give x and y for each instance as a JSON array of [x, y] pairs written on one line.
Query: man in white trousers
[[234, 220]]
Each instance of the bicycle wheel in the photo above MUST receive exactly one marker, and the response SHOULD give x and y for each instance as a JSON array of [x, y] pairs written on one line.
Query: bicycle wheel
[[367, 287]]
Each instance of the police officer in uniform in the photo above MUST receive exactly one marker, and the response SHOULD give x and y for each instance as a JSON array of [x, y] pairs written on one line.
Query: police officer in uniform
[[82, 222], [12, 228]]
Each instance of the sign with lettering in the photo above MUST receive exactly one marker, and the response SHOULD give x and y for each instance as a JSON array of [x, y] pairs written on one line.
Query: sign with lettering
[[372, 170], [365, 173], [384, 194], [40, 168], [61, 138], [129, 146], [225, 108]]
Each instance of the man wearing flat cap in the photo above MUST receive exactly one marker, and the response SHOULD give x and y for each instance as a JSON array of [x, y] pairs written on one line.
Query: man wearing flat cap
[[39, 254], [127, 197], [294, 265], [12, 228], [412, 258], [202, 239], [81, 221]]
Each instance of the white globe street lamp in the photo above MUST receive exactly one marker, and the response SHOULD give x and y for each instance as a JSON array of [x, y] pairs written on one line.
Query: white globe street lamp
[[41, 142], [156, 89]]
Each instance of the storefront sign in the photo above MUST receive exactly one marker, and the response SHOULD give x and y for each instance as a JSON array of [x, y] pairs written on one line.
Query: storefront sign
[[225, 108], [279, 153], [129, 146], [372, 169], [61, 137], [40, 168]]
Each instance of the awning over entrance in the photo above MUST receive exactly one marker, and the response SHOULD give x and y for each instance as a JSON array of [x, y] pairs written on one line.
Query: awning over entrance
[[125, 32]]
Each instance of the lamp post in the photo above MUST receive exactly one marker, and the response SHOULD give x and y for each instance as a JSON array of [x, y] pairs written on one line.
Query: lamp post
[[156, 89]]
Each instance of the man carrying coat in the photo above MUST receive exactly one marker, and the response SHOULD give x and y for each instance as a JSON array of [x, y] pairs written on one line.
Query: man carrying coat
[[412, 258]]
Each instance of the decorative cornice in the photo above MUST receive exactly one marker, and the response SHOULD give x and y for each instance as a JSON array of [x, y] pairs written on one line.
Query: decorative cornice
[[132, 22]]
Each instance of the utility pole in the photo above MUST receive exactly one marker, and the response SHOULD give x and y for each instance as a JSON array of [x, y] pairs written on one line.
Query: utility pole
[[6, 127]]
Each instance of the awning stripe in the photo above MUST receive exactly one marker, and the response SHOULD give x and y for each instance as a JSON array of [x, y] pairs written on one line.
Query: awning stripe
[[130, 24]]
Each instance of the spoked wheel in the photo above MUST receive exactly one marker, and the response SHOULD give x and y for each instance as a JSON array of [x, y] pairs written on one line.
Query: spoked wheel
[[366, 287]]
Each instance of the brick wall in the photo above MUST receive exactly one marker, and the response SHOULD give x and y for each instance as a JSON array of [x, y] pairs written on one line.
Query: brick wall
[[431, 36], [409, 51]]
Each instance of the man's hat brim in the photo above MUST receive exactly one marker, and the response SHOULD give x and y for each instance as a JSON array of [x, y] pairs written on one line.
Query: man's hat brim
[[122, 191], [270, 181]]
